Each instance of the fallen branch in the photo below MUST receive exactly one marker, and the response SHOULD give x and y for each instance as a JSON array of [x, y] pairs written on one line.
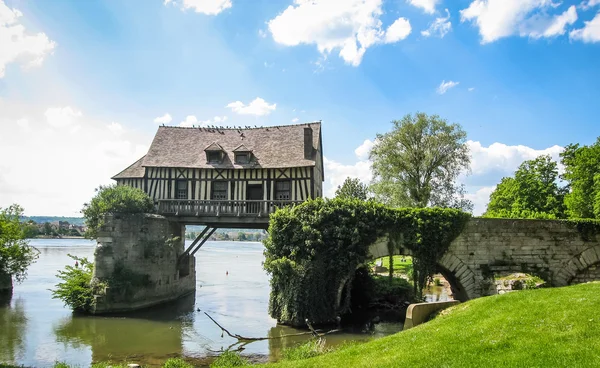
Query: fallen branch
[[251, 339]]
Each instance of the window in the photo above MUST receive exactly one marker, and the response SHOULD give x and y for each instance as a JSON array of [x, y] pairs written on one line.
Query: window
[[213, 157], [242, 158], [283, 190], [219, 190], [182, 189]]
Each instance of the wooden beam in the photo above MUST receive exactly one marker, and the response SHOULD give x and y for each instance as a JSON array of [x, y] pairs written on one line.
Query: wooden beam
[[203, 241]]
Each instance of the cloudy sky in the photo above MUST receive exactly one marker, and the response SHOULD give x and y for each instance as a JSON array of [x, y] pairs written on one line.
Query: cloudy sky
[[84, 84]]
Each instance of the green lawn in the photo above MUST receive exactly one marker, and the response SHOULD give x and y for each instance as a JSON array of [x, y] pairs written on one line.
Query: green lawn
[[558, 327], [399, 266]]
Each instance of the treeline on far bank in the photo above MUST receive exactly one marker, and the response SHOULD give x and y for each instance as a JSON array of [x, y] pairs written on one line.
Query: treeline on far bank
[[538, 190]]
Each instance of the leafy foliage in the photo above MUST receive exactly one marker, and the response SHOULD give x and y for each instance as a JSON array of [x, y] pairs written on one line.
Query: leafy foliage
[[418, 162], [114, 199], [352, 188], [75, 290], [582, 171], [314, 249], [15, 253], [177, 363], [532, 193]]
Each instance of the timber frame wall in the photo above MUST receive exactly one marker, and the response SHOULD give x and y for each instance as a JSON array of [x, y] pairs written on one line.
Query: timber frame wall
[[161, 183]]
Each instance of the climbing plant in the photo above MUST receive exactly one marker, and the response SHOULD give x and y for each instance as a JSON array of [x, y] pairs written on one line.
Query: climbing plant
[[315, 248]]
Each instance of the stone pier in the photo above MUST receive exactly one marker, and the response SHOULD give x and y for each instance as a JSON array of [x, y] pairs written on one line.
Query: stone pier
[[137, 256]]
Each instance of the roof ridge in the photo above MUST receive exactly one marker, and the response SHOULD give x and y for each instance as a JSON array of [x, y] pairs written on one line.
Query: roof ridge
[[241, 128]]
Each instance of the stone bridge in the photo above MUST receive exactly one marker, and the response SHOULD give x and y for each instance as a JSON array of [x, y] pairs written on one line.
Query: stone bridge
[[553, 250]]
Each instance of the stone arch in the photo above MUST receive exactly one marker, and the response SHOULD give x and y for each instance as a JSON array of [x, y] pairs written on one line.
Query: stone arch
[[577, 265], [457, 273]]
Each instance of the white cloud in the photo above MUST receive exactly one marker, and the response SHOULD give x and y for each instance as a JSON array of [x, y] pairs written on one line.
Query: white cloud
[[589, 4], [23, 123], [362, 152], [17, 45], [480, 198], [209, 7], [440, 26], [471, 89], [61, 117], [295, 120], [337, 173], [445, 86], [350, 26], [427, 5], [165, 119], [258, 107], [500, 157], [115, 128], [589, 33], [543, 26], [502, 18], [398, 31], [262, 33], [191, 121], [71, 162]]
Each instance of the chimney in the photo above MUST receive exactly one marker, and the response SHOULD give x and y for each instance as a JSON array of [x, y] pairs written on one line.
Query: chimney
[[308, 143]]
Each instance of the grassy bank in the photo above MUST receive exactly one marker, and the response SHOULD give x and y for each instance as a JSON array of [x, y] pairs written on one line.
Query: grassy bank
[[557, 327]]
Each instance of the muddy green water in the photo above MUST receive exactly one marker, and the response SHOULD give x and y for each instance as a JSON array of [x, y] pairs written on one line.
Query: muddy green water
[[36, 330]]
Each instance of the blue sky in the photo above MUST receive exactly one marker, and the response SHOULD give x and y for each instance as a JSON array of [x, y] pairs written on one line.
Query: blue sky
[[82, 83]]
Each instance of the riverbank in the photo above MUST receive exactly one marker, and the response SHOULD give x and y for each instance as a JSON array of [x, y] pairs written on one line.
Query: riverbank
[[557, 327]]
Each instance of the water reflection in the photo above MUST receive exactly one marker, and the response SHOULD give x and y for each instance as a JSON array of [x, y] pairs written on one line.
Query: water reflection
[[121, 337], [12, 325]]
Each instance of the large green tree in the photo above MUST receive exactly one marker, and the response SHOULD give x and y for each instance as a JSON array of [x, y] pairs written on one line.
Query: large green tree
[[533, 192], [352, 188], [582, 172], [15, 253], [418, 162], [114, 199]]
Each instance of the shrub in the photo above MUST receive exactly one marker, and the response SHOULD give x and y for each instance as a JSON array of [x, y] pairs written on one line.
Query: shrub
[[309, 349], [229, 359], [114, 199], [15, 253], [76, 290], [177, 363]]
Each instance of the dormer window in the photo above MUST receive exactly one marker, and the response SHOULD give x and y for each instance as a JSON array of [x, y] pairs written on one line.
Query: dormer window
[[213, 157], [243, 155], [214, 153]]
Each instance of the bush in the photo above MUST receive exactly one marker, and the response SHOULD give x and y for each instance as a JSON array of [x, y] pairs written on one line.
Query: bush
[[114, 199], [15, 253], [229, 359], [307, 350], [177, 363], [76, 290]]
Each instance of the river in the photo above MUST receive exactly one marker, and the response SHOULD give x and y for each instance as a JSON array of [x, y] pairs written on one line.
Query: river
[[231, 286]]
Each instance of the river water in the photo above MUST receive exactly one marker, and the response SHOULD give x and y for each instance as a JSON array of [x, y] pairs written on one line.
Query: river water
[[231, 286]]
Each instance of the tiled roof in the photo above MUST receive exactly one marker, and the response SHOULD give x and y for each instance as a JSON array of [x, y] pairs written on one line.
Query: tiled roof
[[272, 147], [136, 170]]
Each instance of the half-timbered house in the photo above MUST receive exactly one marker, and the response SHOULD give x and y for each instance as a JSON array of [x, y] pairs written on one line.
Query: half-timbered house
[[229, 176]]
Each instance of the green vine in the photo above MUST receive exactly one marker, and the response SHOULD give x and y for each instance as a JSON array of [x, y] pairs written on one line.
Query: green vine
[[314, 249]]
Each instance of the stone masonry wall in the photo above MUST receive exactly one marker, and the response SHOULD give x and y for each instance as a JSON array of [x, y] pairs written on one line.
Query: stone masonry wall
[[553, 250], [141, 247]]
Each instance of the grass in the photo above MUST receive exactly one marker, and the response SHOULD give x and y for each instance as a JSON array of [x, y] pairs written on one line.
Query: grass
[[399, 266], [558, 327]]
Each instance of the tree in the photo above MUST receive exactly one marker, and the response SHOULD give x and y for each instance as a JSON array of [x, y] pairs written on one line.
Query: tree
[[532, 193], [418, 162], [15, 253], [114, 199], [352, 188], [582, 172]]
